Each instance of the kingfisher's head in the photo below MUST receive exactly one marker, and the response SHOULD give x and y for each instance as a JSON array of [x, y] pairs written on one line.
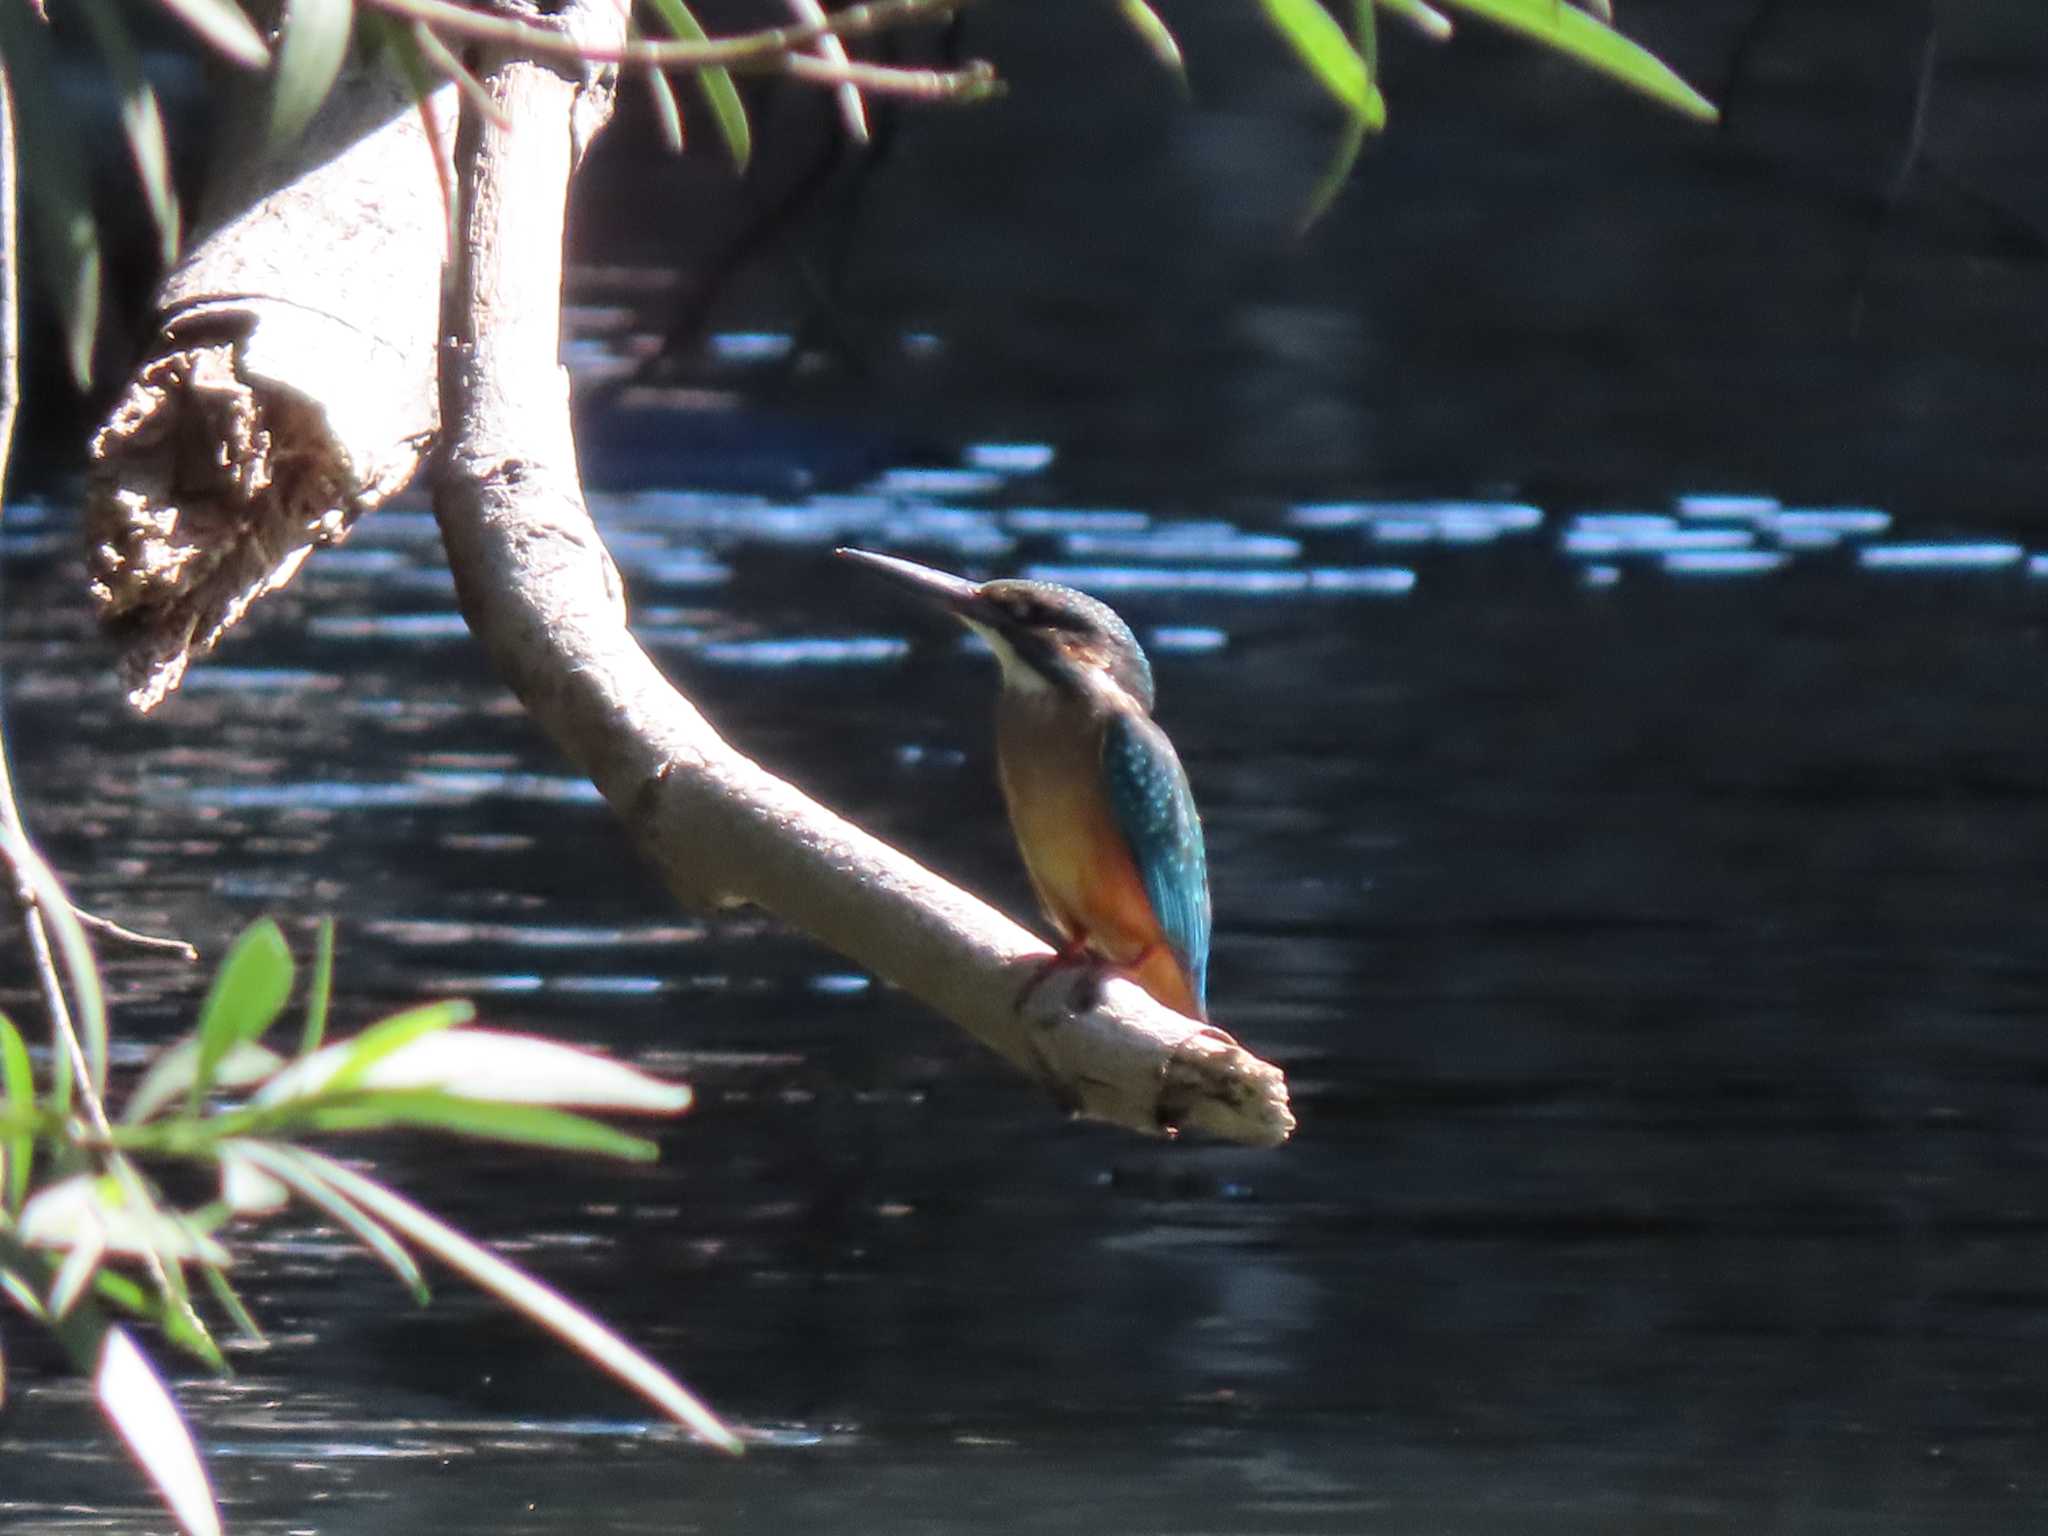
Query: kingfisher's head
[[1045, 636]]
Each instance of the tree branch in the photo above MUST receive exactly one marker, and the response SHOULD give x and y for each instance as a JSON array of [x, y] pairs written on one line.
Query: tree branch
[[540, 591], [290, 389]]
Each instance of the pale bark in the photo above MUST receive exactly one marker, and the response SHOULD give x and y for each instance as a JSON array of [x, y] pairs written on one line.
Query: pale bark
[[290, 388], [539, 589]]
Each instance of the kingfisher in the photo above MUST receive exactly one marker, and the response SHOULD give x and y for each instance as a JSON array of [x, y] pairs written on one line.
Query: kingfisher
[[1097, 796]]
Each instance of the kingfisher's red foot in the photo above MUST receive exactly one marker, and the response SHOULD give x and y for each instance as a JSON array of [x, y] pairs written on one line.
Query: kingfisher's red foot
[[1074, 954]]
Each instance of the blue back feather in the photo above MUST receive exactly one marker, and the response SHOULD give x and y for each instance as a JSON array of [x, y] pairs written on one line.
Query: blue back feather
[[1149, 796]]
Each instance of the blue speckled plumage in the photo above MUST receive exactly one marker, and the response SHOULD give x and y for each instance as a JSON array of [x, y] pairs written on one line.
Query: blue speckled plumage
[[1150, 799]]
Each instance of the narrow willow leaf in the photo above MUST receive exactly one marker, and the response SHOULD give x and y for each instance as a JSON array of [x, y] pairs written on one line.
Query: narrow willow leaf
[[59, 207], [432, 1109], [17, 1080], [312, 42], [444, 60], [1426, 19], [165, 1260], [230, 1301], [344, 1064], [720, 94], [81, 1263], [141, 120], [72, 947], [1155, 34], [1572, 32], [88, 1209], [111, 1285], [246, 1189], [492, 1064], [224, 25], [1320, 43], [248, 993], [176, 1069], [393, 40], [321, 993], [146, 1417], [1349, 146], [1338, 172], [549, 1308], [20, 1289], [298, 1172], [668, 117], [831, 48]]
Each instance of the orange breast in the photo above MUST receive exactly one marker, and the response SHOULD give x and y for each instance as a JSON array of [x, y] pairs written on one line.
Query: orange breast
[[1080, 865]]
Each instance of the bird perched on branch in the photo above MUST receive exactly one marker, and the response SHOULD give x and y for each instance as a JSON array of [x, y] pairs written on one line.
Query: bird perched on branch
[[1097, 796]]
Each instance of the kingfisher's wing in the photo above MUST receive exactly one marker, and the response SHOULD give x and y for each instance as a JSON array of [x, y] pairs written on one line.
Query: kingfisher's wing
[[1149, 797]]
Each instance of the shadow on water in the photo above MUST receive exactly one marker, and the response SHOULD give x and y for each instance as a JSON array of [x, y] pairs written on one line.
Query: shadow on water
[[1636, 880]]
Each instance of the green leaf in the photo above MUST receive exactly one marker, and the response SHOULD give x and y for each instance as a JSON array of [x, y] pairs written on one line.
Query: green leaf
[[230, 1301], [18, 1081], [1352, 143], [18, 1285], [312, 42], [321, 992], [300, 1173], [549, 1308], [1426, 19], [388, 1035], [141, 120], [176, 1069], [434, 1109], [145, 1415], [344, 1064], [74, 1274], [1154, 33], [1572, 32], [1335, 175], [59, 204], [174, 1237], [224, 25], [1321, 44], [72, 945], [248, 993], [723, 97], [107, 1211], [668, 117], [111, 1285], [492, 1064]]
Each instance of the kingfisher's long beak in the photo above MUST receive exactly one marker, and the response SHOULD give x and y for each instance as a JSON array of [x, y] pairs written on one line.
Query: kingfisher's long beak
[[942, 590]]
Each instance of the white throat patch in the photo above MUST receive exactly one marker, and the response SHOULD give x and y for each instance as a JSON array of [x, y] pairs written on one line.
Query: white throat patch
[[1017, 673]]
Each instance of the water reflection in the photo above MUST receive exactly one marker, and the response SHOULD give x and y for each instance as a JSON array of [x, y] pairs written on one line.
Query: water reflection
[[1651, 964]]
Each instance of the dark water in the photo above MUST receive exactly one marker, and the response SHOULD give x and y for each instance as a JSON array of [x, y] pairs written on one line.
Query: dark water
[[1641, 894]]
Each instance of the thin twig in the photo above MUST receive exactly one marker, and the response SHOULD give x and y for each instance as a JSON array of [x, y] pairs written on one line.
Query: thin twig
[[107, 928], [969, 83], [766, 50], [852, 110]]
